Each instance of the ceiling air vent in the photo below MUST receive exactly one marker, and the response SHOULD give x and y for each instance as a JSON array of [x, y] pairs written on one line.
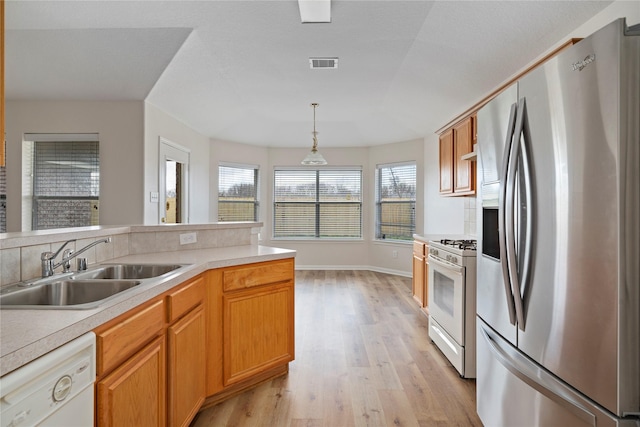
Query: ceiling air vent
[[323, 63]]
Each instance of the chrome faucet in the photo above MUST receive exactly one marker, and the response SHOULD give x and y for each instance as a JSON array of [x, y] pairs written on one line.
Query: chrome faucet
[[48, 258]]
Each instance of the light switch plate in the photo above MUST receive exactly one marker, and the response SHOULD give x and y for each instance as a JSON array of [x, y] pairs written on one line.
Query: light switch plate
[[154, 197]]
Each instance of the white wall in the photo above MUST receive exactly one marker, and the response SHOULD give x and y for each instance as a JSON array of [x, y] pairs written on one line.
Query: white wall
[[158, 124], [121, 134]]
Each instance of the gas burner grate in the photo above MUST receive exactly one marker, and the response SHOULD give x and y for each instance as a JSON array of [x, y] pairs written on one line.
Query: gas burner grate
[[460, 243]]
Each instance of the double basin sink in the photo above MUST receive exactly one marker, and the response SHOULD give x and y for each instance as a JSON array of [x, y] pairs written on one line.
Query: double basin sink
[[83, 289]]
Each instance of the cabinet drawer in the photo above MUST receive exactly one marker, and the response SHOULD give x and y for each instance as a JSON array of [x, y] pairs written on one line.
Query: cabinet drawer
[[122, 338], [418, 249], [258, 274], [179, 302]]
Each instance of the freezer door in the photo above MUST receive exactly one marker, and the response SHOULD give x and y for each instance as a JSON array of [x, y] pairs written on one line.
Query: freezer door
[[495, 126], [492, 124], [513, 391], [581, 302]]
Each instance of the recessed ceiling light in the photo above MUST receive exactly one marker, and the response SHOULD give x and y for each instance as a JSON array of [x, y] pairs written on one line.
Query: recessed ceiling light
[[323, 63], [315, 10]]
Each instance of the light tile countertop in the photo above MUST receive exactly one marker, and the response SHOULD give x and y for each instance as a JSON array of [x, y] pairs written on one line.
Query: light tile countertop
[[28, 334]]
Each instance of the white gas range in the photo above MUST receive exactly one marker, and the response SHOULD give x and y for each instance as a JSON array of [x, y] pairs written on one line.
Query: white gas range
[[452, 302]]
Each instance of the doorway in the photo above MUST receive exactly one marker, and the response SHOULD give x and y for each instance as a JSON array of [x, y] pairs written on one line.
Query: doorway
[[173, 183]]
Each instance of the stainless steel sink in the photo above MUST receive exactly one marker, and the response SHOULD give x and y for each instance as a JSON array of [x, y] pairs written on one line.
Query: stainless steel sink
[[64, 293], [126, 271]]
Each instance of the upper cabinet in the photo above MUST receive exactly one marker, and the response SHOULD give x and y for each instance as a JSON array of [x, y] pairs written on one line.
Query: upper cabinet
[[2, 136], [457, 175]]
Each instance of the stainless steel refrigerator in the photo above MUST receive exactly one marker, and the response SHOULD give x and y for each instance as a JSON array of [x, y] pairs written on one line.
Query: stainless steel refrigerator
[[558, 273]]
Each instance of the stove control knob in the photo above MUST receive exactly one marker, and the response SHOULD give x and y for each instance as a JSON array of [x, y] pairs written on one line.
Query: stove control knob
[[448, 257], [454, 259]]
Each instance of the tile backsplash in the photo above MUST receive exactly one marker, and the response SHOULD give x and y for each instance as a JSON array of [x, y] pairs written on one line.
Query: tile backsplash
[[20, 256], [470, 216]]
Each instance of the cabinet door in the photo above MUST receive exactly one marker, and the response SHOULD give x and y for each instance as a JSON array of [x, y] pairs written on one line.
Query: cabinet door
[[446, 162], [258, 330], [134, 394], [464, 176], [186, 360], [418, 280]]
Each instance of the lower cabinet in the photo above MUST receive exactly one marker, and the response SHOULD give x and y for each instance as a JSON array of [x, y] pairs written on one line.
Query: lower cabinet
[[134, 394], [186, 367], [420, 274], [258, 332], [220, 332]]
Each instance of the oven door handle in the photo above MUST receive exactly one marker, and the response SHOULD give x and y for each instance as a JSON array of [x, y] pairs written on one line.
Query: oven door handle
[[456, 268]]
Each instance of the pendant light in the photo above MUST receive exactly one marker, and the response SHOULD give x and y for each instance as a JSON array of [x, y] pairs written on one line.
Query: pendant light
[[314, 158]]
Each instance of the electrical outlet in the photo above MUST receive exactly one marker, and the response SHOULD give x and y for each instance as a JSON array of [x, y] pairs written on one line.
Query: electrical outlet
[[394, 254], [188, 238]]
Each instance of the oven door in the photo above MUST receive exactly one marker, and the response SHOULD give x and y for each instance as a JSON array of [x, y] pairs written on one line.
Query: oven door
[[446, 297]]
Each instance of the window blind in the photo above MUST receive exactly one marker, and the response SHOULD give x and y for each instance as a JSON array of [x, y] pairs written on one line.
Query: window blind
[[317, 204], [396, 201], [66, 184], [237, 193]]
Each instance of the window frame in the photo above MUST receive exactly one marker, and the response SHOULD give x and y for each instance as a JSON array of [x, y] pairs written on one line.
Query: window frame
[[256, 183], [38, 197], [319, 204], [379, 204]]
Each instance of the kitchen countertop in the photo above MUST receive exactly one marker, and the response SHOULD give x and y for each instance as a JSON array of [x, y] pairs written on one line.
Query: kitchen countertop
[[28, 334]]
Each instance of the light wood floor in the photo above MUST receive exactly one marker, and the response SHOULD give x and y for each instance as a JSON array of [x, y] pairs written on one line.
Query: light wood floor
[[363, 358]]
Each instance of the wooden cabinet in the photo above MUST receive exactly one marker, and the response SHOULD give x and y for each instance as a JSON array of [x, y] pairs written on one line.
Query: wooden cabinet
[[134, 394], [117, 340], [250, 325], [196, 344], [186, 352], [258, 331], [151, 361], [446, 162], [457, 175], [131, 368], [258, 307], [186, 367], [420, 274]]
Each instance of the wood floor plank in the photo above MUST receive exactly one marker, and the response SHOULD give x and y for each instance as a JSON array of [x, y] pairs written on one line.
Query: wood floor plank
[[363, 358]]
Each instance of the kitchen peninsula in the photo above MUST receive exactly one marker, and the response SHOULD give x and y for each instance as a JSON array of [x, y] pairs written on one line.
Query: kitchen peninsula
[[226, 274]]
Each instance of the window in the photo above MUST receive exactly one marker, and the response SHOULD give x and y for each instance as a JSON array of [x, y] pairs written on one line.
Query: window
[[317, 204], [396, 201], [237, 193], [65, 183]]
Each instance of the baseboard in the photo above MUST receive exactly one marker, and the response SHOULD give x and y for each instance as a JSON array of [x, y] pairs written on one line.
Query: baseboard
[[355, 267]]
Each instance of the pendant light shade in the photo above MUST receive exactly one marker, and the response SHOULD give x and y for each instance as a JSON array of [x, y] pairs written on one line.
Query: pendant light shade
[[314, 158]]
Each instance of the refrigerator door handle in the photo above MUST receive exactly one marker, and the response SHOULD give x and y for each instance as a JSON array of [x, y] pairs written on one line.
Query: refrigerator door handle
[[537, 378], [512, 259], [501, 216], [525, 258]]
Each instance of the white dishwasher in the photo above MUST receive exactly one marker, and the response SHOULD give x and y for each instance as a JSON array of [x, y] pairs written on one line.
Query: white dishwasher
[[53, 390]]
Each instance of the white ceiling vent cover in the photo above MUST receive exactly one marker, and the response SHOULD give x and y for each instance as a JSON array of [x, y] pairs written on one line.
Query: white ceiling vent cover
[[323, 63]]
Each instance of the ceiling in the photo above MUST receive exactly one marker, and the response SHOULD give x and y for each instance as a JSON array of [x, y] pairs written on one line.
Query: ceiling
[[238, 70]]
